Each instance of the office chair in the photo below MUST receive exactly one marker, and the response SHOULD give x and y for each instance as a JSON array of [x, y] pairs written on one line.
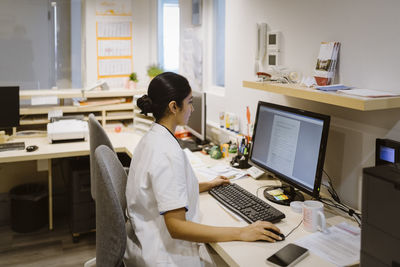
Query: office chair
[[97, 137], [111, 234]]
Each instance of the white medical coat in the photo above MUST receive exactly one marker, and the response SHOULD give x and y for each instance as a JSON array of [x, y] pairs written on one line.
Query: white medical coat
[[160, 179]]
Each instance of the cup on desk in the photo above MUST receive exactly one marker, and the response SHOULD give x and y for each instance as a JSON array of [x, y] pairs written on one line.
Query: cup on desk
[[313, 216]]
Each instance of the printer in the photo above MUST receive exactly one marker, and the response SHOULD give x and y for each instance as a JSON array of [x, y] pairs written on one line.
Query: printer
[[380, 228], [65, 129]]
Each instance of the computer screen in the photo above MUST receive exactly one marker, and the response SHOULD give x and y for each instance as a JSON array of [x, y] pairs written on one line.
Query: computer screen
[[387, 151], [197, 121], [9, 106], [290, 143]]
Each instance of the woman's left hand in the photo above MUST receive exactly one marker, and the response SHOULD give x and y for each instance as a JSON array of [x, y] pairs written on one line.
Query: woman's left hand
[[219, 180]]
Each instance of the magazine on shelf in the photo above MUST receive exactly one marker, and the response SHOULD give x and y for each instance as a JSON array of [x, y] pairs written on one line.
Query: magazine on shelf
[[368, 93], [326, 63]]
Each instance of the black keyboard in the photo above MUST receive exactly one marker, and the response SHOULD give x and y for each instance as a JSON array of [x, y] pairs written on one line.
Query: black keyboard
[[12, 146], [245, 204]]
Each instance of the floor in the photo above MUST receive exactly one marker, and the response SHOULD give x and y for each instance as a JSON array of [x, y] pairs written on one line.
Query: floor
[[45, 248], [55, 248]]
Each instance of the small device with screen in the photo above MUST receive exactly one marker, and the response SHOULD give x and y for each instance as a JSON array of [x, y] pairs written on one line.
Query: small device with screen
[[288, 256], [274, 41], [387, 151]]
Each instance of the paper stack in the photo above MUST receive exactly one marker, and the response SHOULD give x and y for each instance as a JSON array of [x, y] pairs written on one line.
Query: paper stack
[[326, 63]]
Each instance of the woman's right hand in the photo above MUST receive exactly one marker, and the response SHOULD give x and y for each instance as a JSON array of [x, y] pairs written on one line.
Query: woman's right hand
[[259, 231]]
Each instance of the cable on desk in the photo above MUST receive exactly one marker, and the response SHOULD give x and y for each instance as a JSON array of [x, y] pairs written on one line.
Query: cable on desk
[[291, 231], [337, 203]]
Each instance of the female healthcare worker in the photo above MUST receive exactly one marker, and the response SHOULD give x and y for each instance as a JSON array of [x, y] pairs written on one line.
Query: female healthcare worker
[[163, 192]]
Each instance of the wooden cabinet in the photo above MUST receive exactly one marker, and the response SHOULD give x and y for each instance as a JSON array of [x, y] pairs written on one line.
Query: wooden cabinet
[[107, 106]]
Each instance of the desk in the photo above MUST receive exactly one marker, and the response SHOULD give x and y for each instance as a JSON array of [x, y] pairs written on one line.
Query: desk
[[234, 253], [254, 253], [123, 142]]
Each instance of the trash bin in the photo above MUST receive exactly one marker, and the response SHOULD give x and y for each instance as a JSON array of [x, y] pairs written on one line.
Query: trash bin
[[28, 207]]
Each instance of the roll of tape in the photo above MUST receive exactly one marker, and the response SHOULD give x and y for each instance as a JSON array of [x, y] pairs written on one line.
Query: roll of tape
[[296, 206], [294, 77]]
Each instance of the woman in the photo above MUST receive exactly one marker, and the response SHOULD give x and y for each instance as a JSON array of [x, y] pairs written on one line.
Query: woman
[[162, 190]]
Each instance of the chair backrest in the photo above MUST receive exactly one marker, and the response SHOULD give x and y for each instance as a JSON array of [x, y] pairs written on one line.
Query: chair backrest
[[97, 136], [110, 207]]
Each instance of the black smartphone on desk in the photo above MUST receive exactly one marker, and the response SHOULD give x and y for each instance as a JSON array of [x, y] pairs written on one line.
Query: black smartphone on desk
[[288, 256]]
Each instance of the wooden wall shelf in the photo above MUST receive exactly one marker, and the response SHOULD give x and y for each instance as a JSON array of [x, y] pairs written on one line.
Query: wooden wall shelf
[[333, 98]]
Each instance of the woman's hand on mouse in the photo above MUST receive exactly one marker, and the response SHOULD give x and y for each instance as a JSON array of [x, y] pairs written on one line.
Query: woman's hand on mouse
[[259, 231]]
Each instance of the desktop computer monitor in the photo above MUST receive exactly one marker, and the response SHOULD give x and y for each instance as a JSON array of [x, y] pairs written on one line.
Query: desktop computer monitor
[[197, 122], [290, 144], [9, 106]]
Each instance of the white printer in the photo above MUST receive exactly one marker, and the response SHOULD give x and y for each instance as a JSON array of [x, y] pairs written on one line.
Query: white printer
[[67, 130]]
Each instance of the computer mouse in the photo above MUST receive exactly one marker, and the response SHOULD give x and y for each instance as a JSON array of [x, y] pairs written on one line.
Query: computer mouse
[[278, 234], [31, 148]]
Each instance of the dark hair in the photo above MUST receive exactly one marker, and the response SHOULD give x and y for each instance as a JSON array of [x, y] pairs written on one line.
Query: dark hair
[[163, 89]]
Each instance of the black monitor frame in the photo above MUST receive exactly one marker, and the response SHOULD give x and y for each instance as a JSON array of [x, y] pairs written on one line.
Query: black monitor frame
[[202, 136], [9, 107], [321, 156]]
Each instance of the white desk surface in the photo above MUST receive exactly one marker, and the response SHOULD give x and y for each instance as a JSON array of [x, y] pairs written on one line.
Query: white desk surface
[[254, 253], [234, 253], [122, 142]]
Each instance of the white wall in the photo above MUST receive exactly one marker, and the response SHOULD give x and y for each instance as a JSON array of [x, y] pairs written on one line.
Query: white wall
[[369, 33]]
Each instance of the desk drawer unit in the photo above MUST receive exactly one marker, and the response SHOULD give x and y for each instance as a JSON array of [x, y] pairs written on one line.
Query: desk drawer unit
[[82, 209]]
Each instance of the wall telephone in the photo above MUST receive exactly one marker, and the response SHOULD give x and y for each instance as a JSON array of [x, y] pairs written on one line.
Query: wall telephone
[[261, 41], [261, 46]]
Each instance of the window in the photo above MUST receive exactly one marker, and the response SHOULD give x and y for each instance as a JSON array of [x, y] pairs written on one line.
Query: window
[[40, 44], [219, 43], [168, 34]]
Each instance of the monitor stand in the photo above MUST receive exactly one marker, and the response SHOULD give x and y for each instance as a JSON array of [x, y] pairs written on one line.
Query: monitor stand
[[4, 137], [193, 144], [288, 191]]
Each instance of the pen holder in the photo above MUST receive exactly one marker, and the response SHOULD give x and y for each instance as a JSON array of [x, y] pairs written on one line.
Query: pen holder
[[240, 161]]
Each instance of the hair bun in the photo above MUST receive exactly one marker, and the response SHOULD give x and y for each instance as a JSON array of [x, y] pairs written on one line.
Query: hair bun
[[145, 104]]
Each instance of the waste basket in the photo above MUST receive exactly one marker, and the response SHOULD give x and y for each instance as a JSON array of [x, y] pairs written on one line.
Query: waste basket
[[28, 207]]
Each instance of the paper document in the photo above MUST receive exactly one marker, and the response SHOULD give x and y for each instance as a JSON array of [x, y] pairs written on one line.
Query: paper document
[[223, 170], [210, 172], [340, 245], [194, 160], [368, 93]]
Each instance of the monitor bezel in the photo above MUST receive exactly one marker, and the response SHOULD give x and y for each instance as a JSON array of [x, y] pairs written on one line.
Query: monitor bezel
[[322, 150], [202, 136], [16, 95]]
